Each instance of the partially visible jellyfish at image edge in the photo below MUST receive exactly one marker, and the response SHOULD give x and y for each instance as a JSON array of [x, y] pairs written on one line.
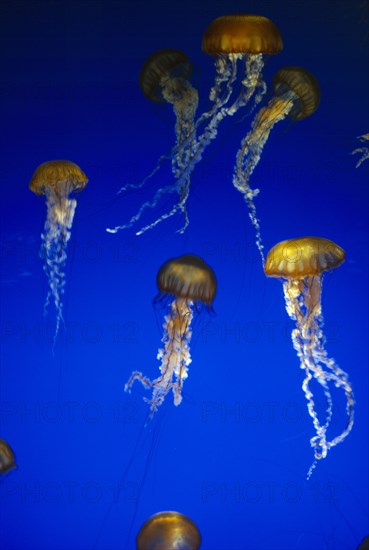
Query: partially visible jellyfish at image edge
[[168, 531], [296, 94], [57, 179], [7, 459], [164, 78], [364, 151], [188, 282], [230, 39], [300, 264]]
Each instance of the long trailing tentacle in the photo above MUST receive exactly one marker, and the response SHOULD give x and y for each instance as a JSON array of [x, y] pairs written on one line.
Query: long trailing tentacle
[[189, 151], [174, 356], [250, 151], [55, 237], [303, 304]]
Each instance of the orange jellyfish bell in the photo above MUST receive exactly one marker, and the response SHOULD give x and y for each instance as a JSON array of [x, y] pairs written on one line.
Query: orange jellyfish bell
[[58, 176], [168, 531], [297, 258], [246, 34]]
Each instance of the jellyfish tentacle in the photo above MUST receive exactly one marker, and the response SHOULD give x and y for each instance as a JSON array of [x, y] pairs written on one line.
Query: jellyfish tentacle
[[364, 151], [250, 151], [185, 130], [148, 204], [183, 182], [303, 305], [175, 356], [188, 150], [297, 94], [296, 308], [55, 237]]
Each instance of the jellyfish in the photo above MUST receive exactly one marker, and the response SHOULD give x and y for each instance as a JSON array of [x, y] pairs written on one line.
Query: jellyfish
[[168, 531], [233, 38], [7, 460], [230, 39], [191, 282], [364, 151], [56, 179], [300, 264], [164, 78], [296, 94]]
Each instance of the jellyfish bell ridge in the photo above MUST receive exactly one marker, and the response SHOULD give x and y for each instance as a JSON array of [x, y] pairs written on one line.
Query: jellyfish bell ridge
[[298, 258], [243, 34]]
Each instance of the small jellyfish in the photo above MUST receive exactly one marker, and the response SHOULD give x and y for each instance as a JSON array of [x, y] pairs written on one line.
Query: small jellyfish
[[300, 264], [297, 94], [7, 460], [56, 179], [191, 282], [364, 151], [164, 78], [168, 531]]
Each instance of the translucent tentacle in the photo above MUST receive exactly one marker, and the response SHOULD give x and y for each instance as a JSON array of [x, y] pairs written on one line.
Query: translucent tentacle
[[303, 304], [189, 149], [250, 151], [174, 356], [364, 151], [60, 213]]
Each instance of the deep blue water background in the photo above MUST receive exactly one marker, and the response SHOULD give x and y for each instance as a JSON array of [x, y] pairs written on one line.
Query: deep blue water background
[[234, 455]]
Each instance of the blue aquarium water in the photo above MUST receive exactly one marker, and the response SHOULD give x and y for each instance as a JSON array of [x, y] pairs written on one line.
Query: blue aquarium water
[[234, 455]]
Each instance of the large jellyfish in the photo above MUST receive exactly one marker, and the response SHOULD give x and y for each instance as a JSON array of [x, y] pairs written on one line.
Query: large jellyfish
[[191, 282], [300, 264], [168, 531], [7, 460], [297, 94], [164, 77], [364, 151], [231, 39], [56, 179]]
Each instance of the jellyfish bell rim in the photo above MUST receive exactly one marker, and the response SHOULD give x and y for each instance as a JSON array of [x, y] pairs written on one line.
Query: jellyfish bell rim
[[180, 68], [41, 179], [308, 98], [163, 516], [282, 268], [241, 34]]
